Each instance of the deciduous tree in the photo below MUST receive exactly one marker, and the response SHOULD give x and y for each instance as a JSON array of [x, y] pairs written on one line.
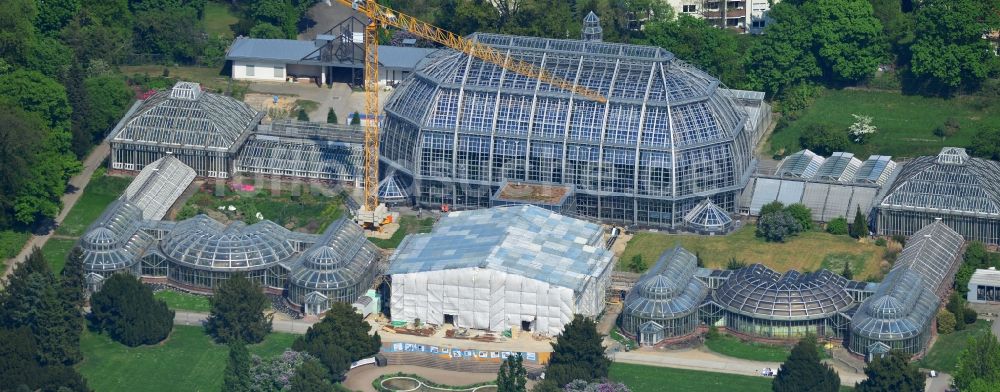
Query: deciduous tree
[[979, 364], [512, 376], [948, 50]]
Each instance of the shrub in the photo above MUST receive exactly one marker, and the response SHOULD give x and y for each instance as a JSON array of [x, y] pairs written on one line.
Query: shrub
[[777, 226], [880, 242], [636, 264], [331, 116], [823, 140], [302, 115], [862, 129], [802, 214], [970, 315], [837, 226], [735, 264], [945, 322], [125, 309], [773, 206]]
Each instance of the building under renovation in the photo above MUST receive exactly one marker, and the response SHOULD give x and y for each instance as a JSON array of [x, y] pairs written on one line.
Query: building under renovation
[[197, 254], [961, 191], [518, 267], [459, 130]]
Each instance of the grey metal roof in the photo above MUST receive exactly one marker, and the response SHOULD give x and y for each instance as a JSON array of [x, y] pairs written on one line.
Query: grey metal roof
[[669, 289], [522, 240], [294, 51], [760, 292], [948, 183], [185, 117]]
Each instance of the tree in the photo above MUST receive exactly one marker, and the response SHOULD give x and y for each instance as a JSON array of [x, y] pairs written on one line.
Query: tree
[[16, 30], [166, 29], [237, 377], [893, 372], [847, 273], [804, 372], [311, 376], [837, 226], [772, 207], [356, 119], [862, 129], [339, 339], [719, 52], [700, 261], [823, 140], [266, 30], [777, 226], [126, 310], [331, 116], [53, 15], [577, 354], [238, 307], [847, 38], [302, 115], [979, 363], [986, 144], [948, 50], [512, 376], [780, 59], [275, 373], [22, 140], [956, 306], [802, 214], [859, 229], [108, 98], [945, 322], [637, 264]]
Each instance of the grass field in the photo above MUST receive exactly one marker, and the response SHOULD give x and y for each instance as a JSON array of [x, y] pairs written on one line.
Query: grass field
[[218, 19], [183, 301], [56, 250], [944, 354], [101, 191], [187, 361], [905, 123], [11, 243], [407, 225], [208, 77], [732, 347], [641, 378], [807, 251]]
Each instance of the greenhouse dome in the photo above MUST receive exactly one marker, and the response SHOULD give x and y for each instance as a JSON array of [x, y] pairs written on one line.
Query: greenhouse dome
[[668, 137], [668, 296], [762, 302], [114, 242], [340, 267], [708, 218]]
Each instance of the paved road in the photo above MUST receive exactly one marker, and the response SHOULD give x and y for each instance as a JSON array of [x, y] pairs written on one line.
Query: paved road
[[287, 326], [79, 183]]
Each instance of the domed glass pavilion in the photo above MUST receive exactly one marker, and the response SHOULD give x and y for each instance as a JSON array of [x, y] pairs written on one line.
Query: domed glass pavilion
[[668, 137], [664, 303]]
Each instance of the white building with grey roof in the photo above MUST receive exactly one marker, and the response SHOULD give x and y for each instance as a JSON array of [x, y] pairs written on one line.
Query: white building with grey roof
[[516, 267]]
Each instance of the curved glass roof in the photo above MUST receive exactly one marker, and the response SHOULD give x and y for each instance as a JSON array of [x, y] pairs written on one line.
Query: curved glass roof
[[761, 292], [186, 116], [933, 252], [706, 216], [669, 289], [341, 258], [950, 182], [902, 307], [114, 241], [204, 243]]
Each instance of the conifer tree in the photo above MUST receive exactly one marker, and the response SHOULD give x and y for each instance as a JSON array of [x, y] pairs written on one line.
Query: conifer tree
[[237, 377], [302, 115], [847, 273], [512, 376], [331, 116], [577, 354], [238, 307], [126, 310], [892, 373], [803, 372], [860, 227], [311, 376], [339, 339], [356, 119], [73, 281]]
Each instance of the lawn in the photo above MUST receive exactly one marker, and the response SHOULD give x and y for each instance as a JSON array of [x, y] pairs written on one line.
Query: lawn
[[733, 347], [640, 378], [209, 77], [622, 339], [905, 123], [944, 354], [218, 19], [101, 191], [187, 361], [56, 250], [11, 243], [183, 301], [407, 225], [806, 252]]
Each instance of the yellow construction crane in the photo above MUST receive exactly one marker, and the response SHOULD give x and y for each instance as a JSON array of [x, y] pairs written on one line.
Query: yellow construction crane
[[373, 214]]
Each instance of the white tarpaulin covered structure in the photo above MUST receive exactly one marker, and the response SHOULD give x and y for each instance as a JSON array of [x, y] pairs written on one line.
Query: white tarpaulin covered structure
[[499, 268]]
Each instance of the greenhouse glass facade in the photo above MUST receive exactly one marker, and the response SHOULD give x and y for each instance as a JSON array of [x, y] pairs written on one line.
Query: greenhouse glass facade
[[961, 191], [668, 137], [664, 303], [760, 302]]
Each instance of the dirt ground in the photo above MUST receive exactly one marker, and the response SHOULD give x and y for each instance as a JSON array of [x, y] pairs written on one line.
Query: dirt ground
[[360, 379], [265, 103]]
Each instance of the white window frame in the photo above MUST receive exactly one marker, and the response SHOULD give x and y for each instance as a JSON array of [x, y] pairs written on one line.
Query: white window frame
[[250, 71]]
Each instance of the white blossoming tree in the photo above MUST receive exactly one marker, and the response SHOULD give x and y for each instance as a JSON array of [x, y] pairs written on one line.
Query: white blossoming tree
[[862, 129]]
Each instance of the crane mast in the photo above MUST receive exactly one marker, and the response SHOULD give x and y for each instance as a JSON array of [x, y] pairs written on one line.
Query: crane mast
[[372, 213]]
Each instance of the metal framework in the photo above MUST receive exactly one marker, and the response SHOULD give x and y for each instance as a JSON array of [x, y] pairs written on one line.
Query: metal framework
[[664, 303], [304, 150], [963, 192], [668, 136]]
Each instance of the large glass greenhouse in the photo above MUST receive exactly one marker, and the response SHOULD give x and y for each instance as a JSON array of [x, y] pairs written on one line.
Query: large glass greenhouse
[[962, 191], [760, 302], [664, 303], [900, 313], [668, 137]]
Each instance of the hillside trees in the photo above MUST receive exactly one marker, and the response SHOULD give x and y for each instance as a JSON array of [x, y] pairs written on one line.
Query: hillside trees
[[948, 49], [716, 51]]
